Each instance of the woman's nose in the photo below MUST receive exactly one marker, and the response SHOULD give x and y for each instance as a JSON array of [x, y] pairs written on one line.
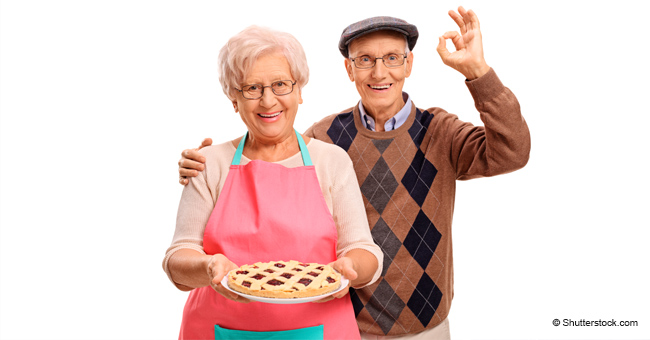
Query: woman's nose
[[268, 98]]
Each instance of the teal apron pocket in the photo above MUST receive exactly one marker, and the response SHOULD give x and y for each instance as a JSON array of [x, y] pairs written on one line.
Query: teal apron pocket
[[309, 333]]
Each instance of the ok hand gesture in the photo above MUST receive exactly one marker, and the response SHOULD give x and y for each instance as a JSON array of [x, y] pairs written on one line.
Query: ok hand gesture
[[468, 58]]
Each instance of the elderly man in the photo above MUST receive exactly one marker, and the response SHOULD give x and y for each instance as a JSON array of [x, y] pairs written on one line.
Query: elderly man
[[407, 161]]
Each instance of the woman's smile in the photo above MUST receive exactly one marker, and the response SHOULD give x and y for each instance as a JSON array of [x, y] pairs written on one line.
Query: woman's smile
[[270, 117]]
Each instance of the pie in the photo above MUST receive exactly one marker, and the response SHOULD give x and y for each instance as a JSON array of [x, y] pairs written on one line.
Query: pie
[[284, 280]]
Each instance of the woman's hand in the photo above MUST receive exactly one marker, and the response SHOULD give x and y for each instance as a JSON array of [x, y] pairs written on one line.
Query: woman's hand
[[345, 266], [218, 267]]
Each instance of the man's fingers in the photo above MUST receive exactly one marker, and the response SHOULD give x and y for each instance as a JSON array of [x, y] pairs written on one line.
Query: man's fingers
[[456, 38], [184, 173], [442, 48], [191, 165], [469, 18], [206, 142], [459, 20], [193, 155], [473, 19]]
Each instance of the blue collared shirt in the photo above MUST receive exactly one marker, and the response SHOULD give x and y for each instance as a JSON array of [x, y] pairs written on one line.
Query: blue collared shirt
[[393, 123]]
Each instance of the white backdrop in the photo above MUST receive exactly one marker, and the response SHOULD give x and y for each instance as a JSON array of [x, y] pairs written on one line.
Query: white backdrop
[[98, 99]]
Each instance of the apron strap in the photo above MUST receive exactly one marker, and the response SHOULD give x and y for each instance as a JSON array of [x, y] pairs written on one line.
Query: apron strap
[[306, 159]]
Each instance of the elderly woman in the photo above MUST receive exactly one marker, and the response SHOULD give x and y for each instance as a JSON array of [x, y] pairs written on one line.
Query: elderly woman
[[260, 199]]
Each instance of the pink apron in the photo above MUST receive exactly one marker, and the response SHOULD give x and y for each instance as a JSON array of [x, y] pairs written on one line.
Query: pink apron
[[267, 212]]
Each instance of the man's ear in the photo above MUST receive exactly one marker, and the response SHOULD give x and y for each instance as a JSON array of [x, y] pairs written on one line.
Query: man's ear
[[409, 64], [234, 105], [348, 68]]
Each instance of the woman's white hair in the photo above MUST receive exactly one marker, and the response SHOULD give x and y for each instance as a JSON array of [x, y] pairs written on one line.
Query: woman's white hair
[[242, 50]]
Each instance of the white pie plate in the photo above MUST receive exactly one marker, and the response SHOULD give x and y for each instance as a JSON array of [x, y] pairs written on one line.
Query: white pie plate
[[344, 283]]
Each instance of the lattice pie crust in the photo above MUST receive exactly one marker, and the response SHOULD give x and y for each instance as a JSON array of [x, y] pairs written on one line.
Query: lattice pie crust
[[287, 280]]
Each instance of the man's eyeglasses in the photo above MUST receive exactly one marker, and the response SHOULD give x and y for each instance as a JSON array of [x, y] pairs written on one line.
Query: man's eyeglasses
[[390, 60], [256, 91]]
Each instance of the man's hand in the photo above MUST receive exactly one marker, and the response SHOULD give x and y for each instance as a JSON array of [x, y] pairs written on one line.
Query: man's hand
[[468, 58], [192, 162]]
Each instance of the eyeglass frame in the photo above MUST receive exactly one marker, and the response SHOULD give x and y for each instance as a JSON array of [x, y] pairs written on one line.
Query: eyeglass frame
[[293, 83], [404, 57]]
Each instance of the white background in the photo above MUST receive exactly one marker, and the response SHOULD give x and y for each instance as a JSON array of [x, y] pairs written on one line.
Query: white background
[[98, 99]]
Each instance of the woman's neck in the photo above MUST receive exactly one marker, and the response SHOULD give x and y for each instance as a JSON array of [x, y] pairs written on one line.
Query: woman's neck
[[271, 151]]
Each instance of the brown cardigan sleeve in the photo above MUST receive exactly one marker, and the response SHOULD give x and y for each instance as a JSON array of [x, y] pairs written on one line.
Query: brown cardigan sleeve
[[501, 146]]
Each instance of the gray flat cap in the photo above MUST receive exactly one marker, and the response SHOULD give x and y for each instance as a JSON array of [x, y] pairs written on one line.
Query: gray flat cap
[[377, 24]]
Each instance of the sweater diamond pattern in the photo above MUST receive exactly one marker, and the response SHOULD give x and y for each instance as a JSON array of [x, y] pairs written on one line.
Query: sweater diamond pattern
[[395, 179], [419, 127], [422, 240], [342, 131], [380, 185], [387, 241], [425, 300], [418, 177], [385, 306]]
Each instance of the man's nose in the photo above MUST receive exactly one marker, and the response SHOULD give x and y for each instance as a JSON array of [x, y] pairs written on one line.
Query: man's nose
[[379, 70]]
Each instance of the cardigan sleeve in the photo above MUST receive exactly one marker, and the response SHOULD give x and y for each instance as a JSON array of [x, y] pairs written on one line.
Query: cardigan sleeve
[[502, 145], [196, 204]]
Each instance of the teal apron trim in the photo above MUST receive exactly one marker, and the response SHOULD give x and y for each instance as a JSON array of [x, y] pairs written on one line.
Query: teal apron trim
[[240, 149], [306, 159], [308, 333], [303, 150]]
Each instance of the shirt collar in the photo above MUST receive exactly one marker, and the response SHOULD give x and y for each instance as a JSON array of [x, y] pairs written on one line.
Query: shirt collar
[[395, 122]]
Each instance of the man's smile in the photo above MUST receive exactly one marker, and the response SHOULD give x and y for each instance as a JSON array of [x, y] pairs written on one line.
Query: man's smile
[[380, 86]]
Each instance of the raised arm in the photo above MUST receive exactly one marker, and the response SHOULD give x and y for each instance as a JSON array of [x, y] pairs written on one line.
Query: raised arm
[[503, 144]]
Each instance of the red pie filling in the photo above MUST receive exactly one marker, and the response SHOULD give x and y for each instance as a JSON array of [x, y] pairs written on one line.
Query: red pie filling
[[275, 282], [258, 276], [305, 281]]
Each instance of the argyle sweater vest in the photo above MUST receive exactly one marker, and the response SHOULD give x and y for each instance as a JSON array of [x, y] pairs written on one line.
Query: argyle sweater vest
[[408, 178]]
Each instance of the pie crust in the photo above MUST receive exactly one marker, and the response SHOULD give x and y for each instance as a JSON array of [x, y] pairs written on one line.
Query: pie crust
[[284, 280]]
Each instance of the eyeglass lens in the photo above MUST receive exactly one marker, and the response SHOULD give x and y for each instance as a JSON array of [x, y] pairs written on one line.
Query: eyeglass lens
[[390, 60], [280, 87]]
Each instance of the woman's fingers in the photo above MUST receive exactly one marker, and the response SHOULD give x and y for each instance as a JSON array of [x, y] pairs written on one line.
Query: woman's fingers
[[336, 295], [218, 268]]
